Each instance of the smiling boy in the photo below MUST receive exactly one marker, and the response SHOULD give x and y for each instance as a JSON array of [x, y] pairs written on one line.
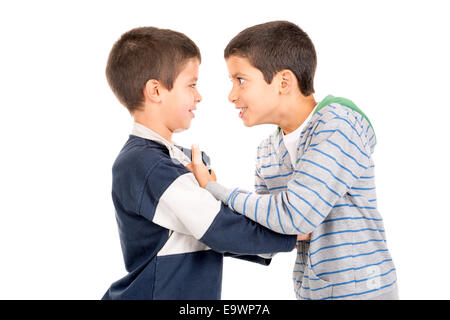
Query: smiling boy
[[315, 173], [173, 233]]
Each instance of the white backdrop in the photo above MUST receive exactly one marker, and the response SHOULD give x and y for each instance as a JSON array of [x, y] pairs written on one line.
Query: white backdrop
[[61, 129]]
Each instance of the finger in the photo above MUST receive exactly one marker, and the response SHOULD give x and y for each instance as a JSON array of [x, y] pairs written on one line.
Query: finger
[[303, 237], [196, 155]]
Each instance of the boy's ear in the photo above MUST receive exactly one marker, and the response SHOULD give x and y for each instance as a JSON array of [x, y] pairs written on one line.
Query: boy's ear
[[152, 90], [287, 81]]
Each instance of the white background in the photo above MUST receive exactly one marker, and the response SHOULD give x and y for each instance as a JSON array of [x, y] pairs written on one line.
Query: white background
[[61, 129]]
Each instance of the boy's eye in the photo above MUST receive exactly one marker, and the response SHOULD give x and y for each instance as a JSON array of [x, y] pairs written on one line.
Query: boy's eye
[[193, 85], [241, 81]]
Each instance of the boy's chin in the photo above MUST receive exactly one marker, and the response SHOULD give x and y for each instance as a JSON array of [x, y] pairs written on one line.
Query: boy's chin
[[179, 130], [248, 123], [182, 128]]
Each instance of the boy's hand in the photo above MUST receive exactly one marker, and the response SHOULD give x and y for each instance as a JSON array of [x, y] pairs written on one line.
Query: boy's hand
[[198, 168], [302, 237]]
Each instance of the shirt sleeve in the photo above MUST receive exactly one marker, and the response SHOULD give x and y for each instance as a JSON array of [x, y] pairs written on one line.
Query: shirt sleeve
[[173, 199], [334, 161], [260, 185]]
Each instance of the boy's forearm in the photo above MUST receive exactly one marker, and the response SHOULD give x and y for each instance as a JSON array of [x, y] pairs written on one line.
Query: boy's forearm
[[276, 212], [223, 194], [246, 204]]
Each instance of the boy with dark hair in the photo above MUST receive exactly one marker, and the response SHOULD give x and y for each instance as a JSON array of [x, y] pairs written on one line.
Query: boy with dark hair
[[314, 174], [173, 233]]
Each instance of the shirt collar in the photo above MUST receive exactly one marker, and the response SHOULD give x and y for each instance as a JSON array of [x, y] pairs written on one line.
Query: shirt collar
[[278, 135], [142, 131]]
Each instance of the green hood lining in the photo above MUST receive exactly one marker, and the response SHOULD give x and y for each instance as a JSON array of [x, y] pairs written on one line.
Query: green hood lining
[[342, 101], [345, 102]]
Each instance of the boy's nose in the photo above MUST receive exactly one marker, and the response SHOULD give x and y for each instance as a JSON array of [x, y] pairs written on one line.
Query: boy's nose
[[198, 98], [232, 97]]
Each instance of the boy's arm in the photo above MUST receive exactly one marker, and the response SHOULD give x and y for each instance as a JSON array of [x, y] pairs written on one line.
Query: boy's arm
[[262, 188], [335, 159], [182, 206], [260, 185]]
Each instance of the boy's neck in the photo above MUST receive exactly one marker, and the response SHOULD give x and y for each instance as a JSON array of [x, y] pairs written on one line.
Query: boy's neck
[[295, 112], [153, 123]]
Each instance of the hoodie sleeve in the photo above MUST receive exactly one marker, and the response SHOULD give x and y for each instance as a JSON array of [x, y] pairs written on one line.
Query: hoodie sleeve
[[334, 161]]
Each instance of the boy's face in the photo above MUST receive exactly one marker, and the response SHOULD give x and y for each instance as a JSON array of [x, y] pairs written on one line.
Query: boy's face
[[256, 100], [180, 102]]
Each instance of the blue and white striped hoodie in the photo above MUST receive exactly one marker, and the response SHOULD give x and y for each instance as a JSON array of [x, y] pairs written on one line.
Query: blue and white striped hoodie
[[173, 233], [329, 192]]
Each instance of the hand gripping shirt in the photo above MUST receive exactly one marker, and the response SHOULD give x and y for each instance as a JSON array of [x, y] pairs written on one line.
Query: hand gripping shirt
[[173, 233], [330, 192]]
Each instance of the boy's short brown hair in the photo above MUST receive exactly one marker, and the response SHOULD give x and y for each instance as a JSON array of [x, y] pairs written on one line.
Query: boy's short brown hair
[[146, 53], [274, 46]]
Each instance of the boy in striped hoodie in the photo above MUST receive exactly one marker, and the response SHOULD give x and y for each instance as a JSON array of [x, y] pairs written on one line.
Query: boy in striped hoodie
[[314, 174]]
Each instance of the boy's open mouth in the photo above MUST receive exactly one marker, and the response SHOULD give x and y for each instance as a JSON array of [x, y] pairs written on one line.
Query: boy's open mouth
[[192, 114], [241, 112]]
